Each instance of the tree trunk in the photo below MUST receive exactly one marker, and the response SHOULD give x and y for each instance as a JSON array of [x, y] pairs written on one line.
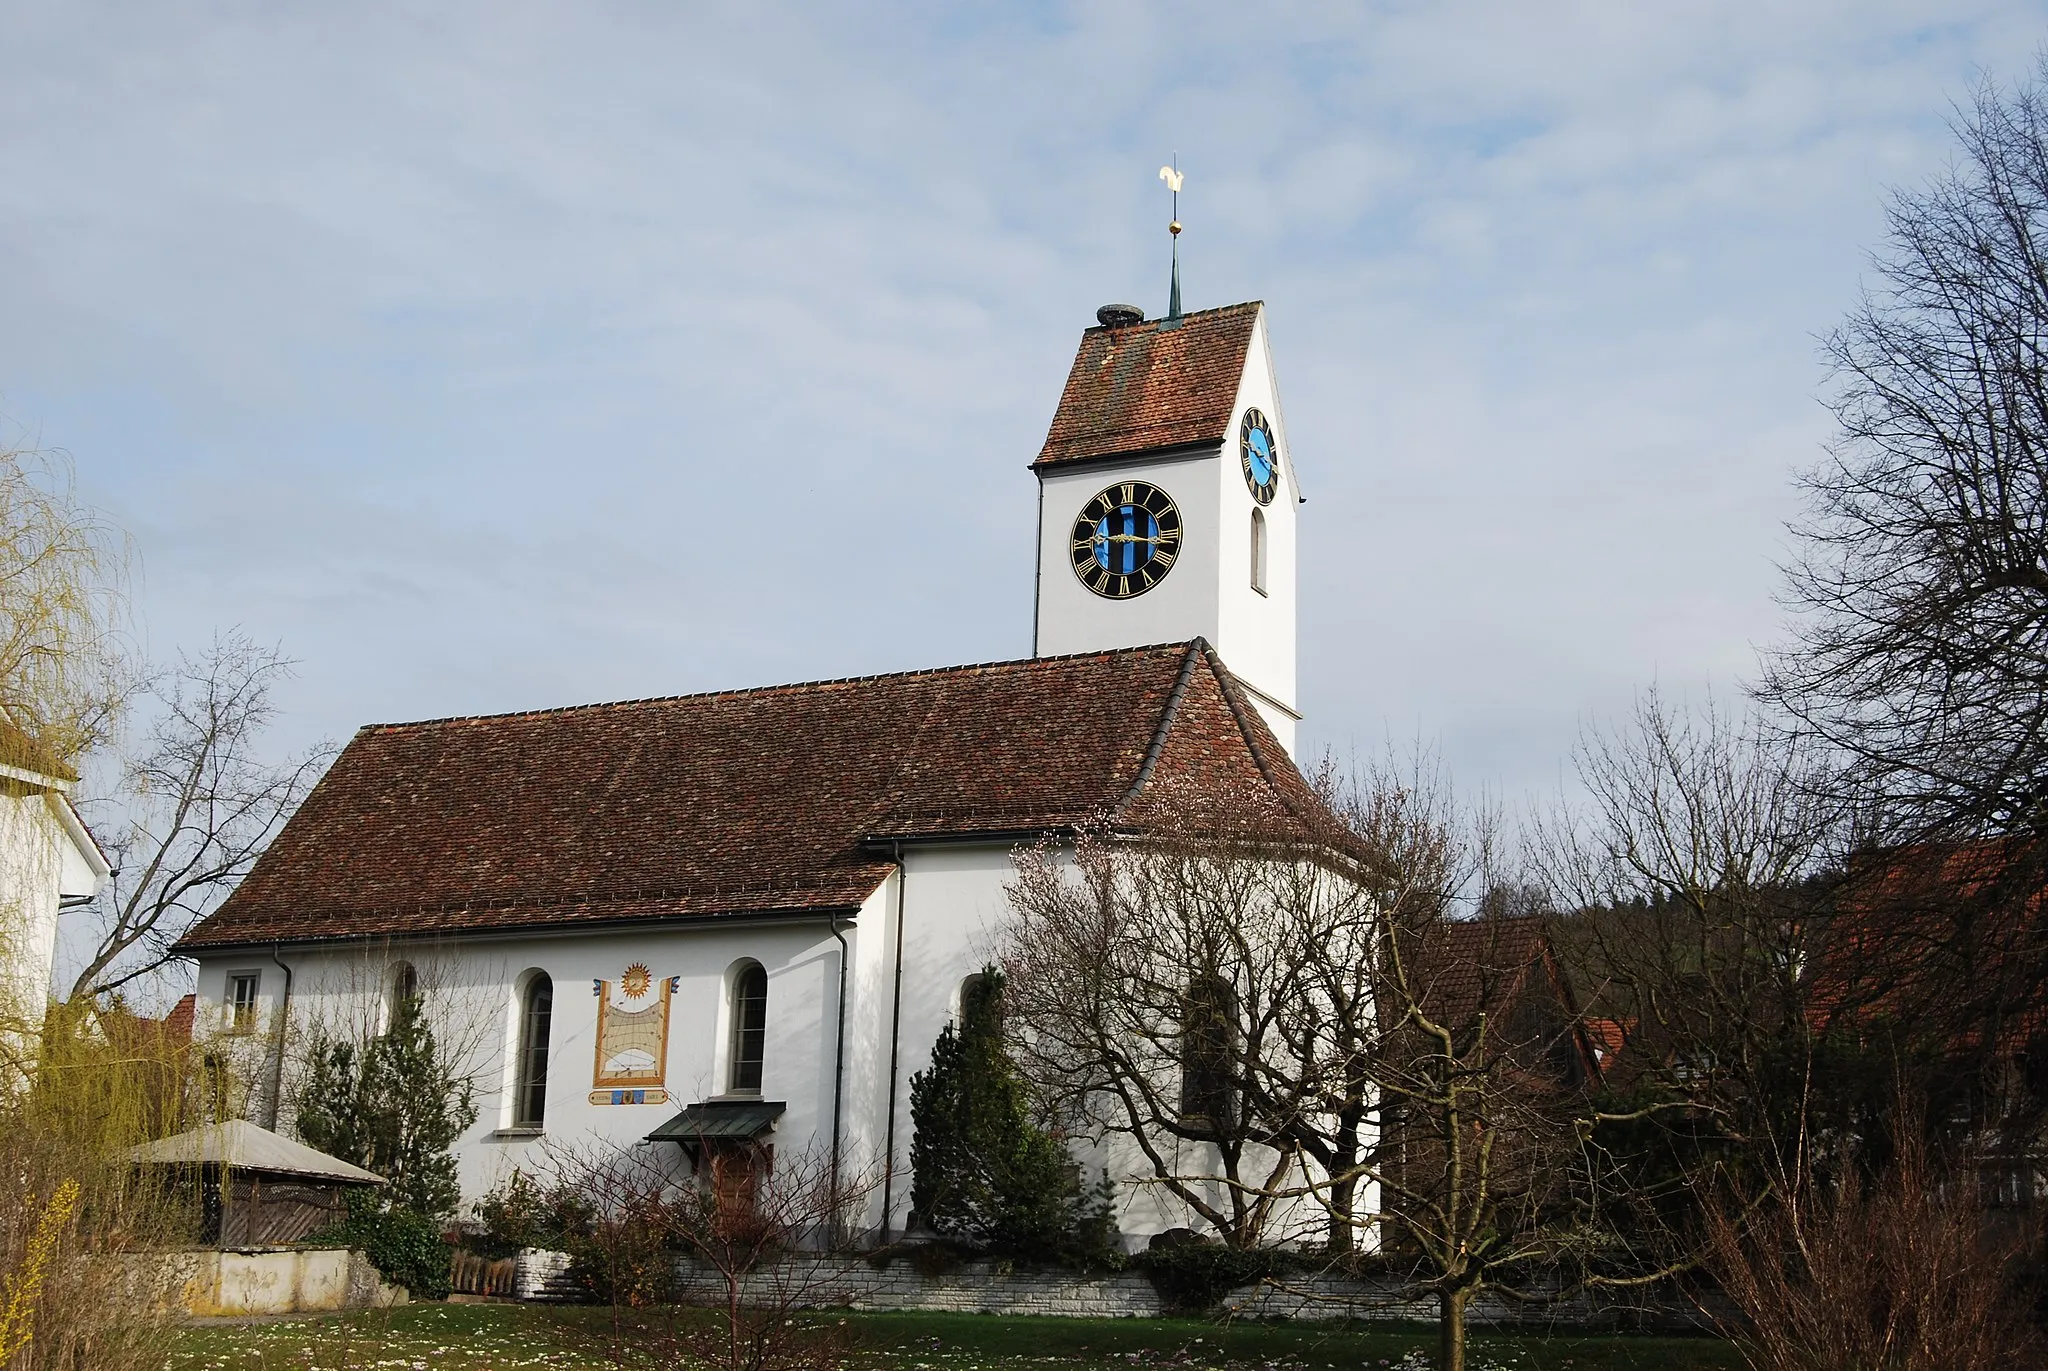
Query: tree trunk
[[1450, 1328], [1343, 1194]]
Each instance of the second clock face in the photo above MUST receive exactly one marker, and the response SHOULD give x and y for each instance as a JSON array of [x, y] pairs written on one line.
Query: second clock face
[[1126, 540], [1261, 456]]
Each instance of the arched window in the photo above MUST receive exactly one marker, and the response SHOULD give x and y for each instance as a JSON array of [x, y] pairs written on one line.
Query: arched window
[[405, 991], [530, 1075], [1208, 1055], [1259, 550], [972, 989], [749, 1028]]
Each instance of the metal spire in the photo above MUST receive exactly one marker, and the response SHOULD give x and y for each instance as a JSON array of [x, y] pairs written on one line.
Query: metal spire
[[1172, 176]]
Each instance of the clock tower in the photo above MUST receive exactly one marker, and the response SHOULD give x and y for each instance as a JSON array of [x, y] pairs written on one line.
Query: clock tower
[[1167, 499]]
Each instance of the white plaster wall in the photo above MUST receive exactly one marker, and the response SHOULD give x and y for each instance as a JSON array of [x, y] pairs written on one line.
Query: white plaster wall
[[1255, 633], [34, 875], [952, 908], [1073, 618], [473, 989], [954, 912], [952, 905]]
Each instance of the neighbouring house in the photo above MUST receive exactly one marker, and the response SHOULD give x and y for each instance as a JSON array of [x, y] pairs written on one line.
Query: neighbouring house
[[1941, 951], [48, 862], [1496, 987], [711, 924]]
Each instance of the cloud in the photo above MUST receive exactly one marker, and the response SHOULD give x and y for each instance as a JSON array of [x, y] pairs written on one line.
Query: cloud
[[511, 355]]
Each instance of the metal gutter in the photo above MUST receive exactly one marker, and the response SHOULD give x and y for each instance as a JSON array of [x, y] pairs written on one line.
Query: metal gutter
[[1038, 571], [284, 1010], [638, 923], [838, 1073], [1177, 452], [895, 1040]]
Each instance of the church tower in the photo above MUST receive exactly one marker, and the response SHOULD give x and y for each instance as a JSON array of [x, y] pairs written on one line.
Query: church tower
[[1167, 498]]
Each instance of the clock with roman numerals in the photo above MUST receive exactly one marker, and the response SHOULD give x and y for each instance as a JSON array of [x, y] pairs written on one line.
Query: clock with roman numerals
[[1261, 456], [1126, 540]]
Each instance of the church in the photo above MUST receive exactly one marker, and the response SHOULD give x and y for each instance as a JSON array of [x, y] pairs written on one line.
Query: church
[[746, 915]]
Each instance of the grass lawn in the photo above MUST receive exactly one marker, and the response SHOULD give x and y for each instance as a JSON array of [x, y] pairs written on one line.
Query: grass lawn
[[499, 1337]]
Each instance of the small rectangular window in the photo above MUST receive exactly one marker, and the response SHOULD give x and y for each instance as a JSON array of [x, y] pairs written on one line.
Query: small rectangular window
[[242, 1001]]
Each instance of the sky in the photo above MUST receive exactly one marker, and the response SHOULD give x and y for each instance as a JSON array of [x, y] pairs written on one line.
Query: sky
[[510, 355]]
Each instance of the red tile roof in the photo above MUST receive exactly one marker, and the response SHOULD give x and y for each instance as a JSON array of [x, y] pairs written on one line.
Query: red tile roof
[[1462, 968], [1941, 936], [1608, 1037], [1151, 386], [751, 801]]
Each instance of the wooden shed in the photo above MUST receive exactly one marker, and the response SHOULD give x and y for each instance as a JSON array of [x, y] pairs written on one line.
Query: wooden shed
[[258, 1188]]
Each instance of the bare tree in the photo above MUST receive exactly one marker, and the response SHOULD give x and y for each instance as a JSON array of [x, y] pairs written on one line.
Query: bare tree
[[1705, 867], [197, 807], [1284, 1018], [1778, 991], [1150, 984], [1921, 649], [716, 1264], [1485, 1178], [1892, 1267]]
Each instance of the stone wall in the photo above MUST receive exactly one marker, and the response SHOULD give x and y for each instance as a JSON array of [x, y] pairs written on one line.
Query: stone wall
[[825, 1282], [279, 1281]]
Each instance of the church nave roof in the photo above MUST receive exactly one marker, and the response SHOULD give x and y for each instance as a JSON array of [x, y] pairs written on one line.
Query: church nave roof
[[782, 798]]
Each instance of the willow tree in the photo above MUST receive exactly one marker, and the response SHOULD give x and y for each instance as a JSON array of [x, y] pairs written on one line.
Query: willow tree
[[63, 583]]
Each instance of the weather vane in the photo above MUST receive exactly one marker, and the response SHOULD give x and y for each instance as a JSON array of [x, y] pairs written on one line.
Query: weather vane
[[1172, 176]]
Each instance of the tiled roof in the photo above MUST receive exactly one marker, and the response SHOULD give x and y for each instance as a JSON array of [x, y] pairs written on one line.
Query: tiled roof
[[1145, 387], [1472, 966], [1943, 936], [752, 801], [178, 1023]]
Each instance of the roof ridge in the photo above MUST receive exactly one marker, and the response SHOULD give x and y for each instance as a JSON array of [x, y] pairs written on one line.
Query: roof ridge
[[1228, 683], [1165, 728], [1010, 663], [1185, 315]]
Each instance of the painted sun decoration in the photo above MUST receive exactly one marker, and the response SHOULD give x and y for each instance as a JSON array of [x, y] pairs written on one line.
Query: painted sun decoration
[[632, 1037]]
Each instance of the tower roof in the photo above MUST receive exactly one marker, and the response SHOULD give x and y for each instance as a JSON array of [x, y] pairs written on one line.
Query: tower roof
[[782, 800], [1151, 387]]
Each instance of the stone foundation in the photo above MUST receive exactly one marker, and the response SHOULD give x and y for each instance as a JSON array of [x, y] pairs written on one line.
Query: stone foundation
[[984, 1287]]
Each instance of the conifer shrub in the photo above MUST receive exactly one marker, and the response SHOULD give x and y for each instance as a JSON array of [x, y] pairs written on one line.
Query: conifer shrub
[[393, 1105], [982, 1170]]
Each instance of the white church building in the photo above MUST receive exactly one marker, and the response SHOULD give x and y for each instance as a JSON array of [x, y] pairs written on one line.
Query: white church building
[[749, 913]]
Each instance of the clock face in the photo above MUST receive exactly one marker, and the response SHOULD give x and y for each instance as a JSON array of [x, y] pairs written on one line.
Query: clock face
[[1126, 540], [1261, 456]]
